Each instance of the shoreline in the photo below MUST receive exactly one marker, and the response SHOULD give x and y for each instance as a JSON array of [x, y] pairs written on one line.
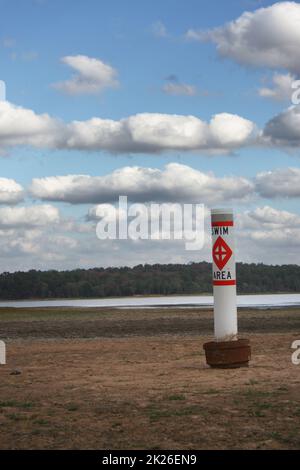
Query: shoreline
[[262, 301], [203, 294]]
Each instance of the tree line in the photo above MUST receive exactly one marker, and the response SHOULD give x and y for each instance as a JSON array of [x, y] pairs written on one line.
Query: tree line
[[146, 279]]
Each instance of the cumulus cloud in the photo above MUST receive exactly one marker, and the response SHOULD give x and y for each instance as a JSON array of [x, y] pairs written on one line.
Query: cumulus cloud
[[28, 216], [282, 182], [175, 182], [267, 37], [177, 88], [264, 234], [268, 217], [268, 235], [92, 76], [11, 192], [283, 238], [152, 132], [281, 90], [108, 211], [283, 130], [143, 133], [44, 240], [21, 126], [23, 249]]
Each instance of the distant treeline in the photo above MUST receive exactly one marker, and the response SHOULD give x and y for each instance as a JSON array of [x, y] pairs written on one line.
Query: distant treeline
[[159, 279]]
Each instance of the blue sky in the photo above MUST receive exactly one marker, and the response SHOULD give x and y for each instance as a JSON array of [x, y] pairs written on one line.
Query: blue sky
[[146, 44], [122, 35]]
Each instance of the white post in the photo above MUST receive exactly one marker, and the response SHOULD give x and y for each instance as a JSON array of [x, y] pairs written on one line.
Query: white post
[[224, 277]]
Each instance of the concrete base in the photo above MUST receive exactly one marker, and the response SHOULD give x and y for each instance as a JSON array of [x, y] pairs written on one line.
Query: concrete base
[[228, 354]]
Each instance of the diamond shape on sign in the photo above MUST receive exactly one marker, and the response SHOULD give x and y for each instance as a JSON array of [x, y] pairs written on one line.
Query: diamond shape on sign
[[221, 253]]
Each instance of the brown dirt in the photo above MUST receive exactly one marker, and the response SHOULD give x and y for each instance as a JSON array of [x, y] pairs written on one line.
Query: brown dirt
[[101, 322], [142, 390]]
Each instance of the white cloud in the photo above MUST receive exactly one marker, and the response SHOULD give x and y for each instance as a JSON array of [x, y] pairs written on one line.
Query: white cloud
[[28, 216], [143, 133], [267, 235], [283, 130], [175, 182], [23, 249], [11, 192], [179, 89], [267, 37], [45, 240], [282, 238], [195, 35], [269, 245], [2, 90], [282, 88], [21, 126], [159, 30], [267, 217], [282, 182], [92, 76], [108, 211]]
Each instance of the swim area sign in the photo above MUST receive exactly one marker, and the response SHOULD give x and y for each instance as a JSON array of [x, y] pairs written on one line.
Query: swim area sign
[[223, 253], [227, 350], [224, 279]]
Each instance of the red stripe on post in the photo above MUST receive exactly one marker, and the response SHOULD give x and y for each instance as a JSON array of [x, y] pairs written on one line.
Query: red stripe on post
[[225, 223], [224, 283]]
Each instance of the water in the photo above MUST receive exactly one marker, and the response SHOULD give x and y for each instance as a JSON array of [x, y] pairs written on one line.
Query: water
[[258, 301]]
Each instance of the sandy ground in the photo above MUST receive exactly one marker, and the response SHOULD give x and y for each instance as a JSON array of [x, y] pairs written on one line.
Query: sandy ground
[[145, 386]]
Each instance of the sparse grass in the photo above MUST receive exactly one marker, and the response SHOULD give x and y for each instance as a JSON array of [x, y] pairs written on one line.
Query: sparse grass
[[14, 417], [72, 407], [178, 397], [50, 313], [155, 413], [15, 404], [258, 409], [74, 398], [8, 404], [296, 412], [41, 422], [264, 405], [27, 405], [274, 435], [78, 313], [211, 391], [283, 388], [254, 393], [290, 439], [116, 425], [257, 414], [252, 382]]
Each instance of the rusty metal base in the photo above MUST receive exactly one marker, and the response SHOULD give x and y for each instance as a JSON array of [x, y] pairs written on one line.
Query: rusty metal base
[[228, 354]]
